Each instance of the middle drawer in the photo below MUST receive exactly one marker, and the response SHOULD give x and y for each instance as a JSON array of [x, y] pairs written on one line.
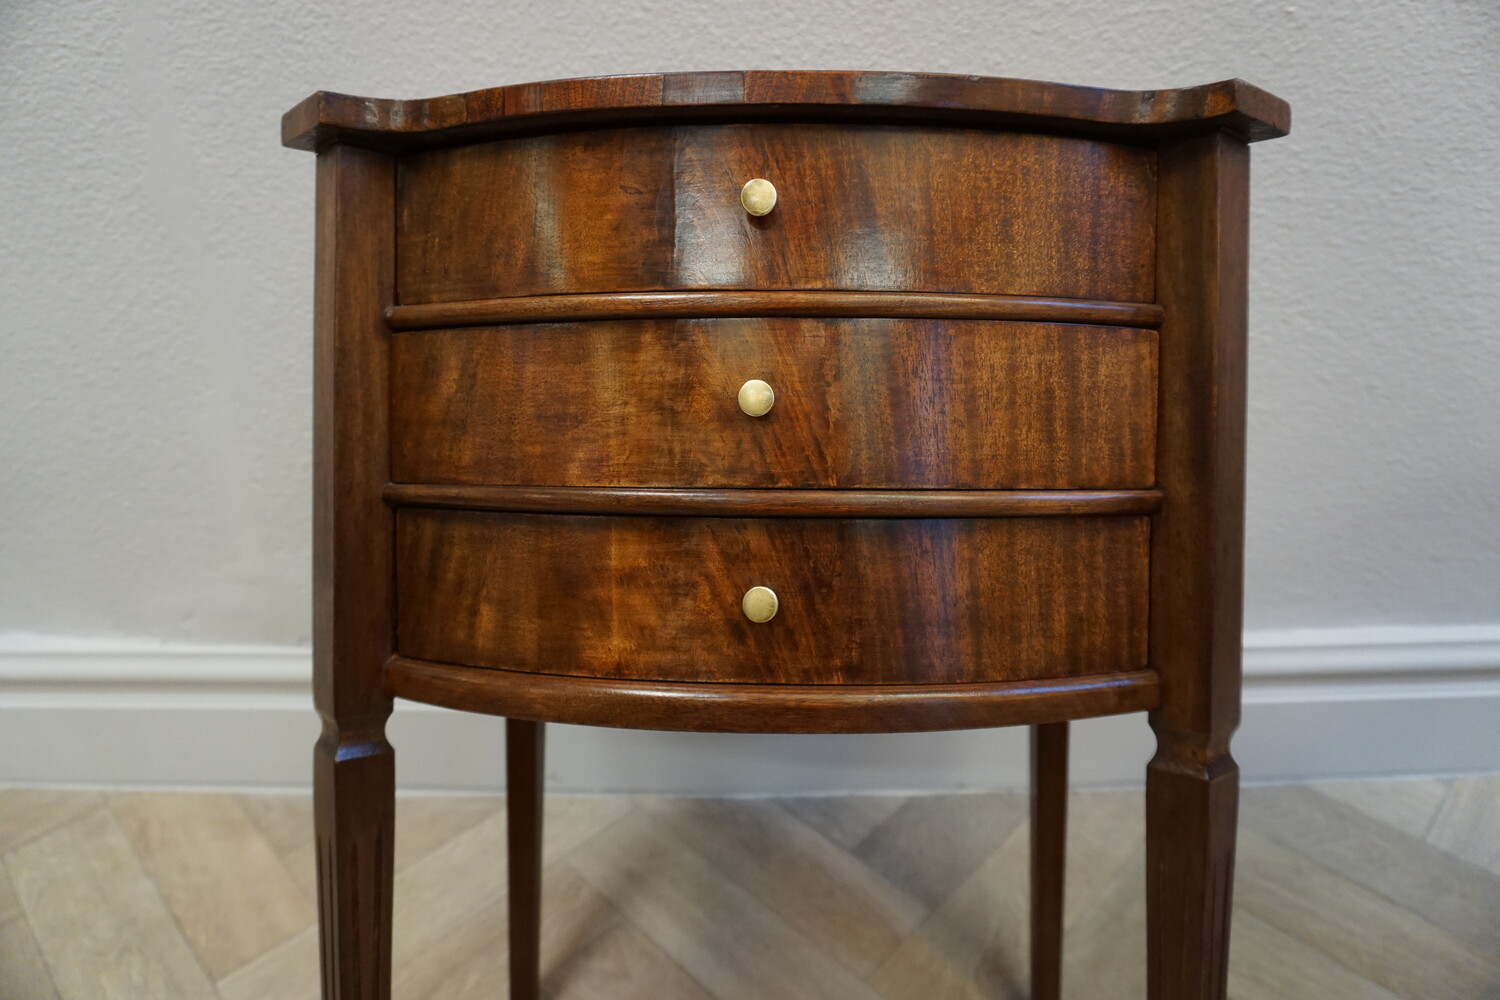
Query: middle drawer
[[858, 403]]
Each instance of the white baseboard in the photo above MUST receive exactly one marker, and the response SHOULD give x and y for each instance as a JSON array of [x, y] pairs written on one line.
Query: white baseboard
[[1319, 703]]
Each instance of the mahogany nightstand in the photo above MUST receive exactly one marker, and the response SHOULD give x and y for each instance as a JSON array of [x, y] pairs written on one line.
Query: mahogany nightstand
[[783, 402]]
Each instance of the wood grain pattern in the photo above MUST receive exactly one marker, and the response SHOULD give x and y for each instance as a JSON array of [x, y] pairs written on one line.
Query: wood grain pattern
[[807, 302], [708, 707], [1197, 566], [860, 207], [859, 404], [770, 708], [555, 477], [1234, 106], [525, 751], [777, 502], [862, 601], [354, 779]]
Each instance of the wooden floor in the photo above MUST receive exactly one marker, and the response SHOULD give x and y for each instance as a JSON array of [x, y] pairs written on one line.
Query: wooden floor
[[1363, 891]]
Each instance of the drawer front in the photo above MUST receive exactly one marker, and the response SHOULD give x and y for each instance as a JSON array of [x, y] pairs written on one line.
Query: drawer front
[[859, 601], [858, 403], [858, 207]]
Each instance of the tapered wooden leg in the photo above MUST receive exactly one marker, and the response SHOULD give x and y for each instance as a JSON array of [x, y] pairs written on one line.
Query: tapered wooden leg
[[354, 787], [1049, 838], [354, 773], [1197, 562], [1191, 811], [523, 796]]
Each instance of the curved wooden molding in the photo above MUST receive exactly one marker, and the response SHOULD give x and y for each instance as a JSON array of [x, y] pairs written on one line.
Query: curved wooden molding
[[711, 304], [776, 502], [1235, 106], [769, 708]]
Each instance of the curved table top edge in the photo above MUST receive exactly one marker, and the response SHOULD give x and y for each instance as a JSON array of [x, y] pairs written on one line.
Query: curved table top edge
[[1235, 106], [769, 708]]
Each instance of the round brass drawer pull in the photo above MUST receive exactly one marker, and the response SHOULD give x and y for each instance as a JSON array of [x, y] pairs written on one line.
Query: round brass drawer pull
[[758, 196], [760, 604], [757, 398]]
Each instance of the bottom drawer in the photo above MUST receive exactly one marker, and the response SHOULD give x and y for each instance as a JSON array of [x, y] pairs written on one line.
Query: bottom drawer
[[860, 601]]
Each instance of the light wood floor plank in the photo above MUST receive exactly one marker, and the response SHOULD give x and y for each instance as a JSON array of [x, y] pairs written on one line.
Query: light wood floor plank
[[1468, 826], [23, 971], [840, 904], [1338, 898], [456, 948], [1409, 804], [974, 945], [286, 821], [729, 941], [933, 843], [27, 813], [1104, 944], [1267, 964], [213, 867], [1450, 893], [620, 963], [100, 923], [437, 898], [433, 898], [471, 960], [844, 819], [1106, 831], [10, 906], [1357, 927], [287, 972], [569, 820]]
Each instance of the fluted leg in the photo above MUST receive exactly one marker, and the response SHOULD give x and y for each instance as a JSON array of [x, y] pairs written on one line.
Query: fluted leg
[[1192, 804], [354, 786]]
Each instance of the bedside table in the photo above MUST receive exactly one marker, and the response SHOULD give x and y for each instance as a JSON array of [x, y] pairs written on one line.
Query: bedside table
[[783, 402]]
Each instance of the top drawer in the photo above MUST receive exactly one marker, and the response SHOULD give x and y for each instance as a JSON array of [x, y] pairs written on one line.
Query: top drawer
[[858, 207]]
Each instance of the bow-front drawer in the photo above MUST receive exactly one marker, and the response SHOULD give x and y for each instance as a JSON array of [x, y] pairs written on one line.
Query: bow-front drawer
[[778, 206], [845, 403], [774, 600]]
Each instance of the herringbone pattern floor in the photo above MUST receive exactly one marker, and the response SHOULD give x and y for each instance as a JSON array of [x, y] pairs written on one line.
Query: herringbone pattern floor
[[1364, 891]]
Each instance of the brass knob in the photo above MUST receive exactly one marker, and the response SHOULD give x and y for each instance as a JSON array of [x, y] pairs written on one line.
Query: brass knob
[[758, 196], [760, 604], [757, 398]]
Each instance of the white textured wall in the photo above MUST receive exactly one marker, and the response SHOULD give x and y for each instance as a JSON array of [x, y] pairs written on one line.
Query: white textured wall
[[156, 270]]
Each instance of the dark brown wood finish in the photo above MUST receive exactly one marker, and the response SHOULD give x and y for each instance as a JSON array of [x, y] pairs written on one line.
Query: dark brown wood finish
[[1197, 539], [707, 707], [806, 302], [859, 207], [1049, 842], [1231, 106], [525, 744], [1002, 482], [353, 764], [867, 403], [778, 503], [886, 601]]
